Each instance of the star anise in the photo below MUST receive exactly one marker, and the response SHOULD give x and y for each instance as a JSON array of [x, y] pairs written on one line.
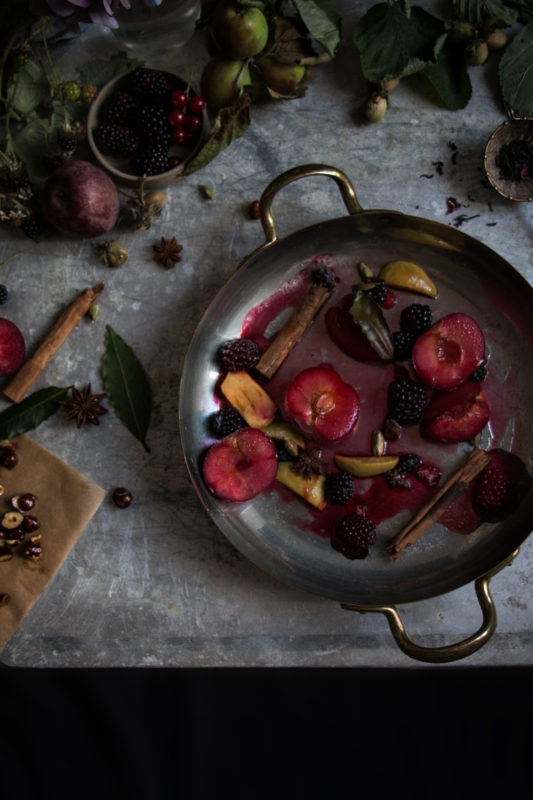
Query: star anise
[[309, 462], [84, 406], [167, 252]]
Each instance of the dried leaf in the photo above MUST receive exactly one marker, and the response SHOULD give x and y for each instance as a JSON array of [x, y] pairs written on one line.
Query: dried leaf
[[127, 386], [231, 122]]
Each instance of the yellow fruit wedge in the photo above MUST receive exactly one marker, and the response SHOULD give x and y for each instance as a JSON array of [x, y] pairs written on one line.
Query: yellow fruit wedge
[[311, 489], [287, 433], [366, 466], [407, 275], [250, 399]]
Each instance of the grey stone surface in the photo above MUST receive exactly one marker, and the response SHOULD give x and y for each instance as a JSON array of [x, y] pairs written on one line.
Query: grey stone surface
[[158, 584]]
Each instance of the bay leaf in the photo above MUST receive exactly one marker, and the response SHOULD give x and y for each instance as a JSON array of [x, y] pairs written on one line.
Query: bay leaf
[[322, 21], [30, 412], [127, 386], [369, 316], [515, 71], [393, 43]]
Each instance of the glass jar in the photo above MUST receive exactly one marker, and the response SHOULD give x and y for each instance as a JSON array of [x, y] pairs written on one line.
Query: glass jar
[[156, 31]]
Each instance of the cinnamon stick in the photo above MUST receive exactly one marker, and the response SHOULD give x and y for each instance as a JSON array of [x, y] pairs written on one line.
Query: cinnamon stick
[[293, 329], [430, 512], [30, 370]]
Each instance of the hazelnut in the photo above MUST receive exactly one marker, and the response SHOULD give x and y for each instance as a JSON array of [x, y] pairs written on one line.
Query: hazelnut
[[2, 490], [15, 536], [30, 523], [12, 520], [5, 553], [33, 549], [122, 497], [8, 458], [4, 599], [23, 502]]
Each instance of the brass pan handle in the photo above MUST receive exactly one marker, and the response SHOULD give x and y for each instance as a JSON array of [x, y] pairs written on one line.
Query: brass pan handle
[[451, 652], [305, 171]]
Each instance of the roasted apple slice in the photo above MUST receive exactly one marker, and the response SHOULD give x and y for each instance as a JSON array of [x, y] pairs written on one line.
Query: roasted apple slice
[[249, 398], [241, 465], [449, 352], [322, 404], [311, 489]]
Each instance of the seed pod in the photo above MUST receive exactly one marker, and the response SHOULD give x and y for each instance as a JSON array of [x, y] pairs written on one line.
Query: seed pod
[[375, 107], [155, 199], [378, 443], [111, 253], [476, 53], [497, 39]]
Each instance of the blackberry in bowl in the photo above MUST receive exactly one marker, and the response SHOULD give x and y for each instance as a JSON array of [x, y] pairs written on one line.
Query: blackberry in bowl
[[148, 123]]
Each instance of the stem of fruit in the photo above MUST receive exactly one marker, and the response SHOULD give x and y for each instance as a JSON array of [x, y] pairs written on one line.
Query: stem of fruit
[[430, 512], [67, 321], [293, 330]]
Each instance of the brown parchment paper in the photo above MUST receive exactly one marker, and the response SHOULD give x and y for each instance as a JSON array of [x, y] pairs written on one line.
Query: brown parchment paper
[[66, 501]]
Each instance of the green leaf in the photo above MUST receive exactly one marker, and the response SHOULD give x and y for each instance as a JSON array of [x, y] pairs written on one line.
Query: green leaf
[[100, 71], [450, 78], [368, 315], [29, 145], [231, 122], [515, 71], [30, 412], [392, 44], [322, 21], [479, 12], [127, 386], [28, 88]]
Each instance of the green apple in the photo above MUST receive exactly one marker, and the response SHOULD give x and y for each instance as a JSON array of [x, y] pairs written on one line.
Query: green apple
[[222, 82], [286, 79], [239, 32]]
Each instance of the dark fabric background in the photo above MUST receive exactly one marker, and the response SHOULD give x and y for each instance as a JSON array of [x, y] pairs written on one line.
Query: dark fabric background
[[258, 733]]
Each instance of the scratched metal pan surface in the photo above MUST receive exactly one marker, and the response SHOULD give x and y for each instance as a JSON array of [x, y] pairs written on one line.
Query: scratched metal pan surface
[[471, 278]]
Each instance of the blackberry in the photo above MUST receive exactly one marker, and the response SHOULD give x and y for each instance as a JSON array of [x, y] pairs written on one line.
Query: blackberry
[[150, 162], [416, 318], [145, 82], [354, 535], [479, 374], [322, 276], [31, 228], [239, 354], [115, 139], [154, 126], [403, 342], [409, 462], [122, 109], [339, 488], [407, 401], [378, 293], [66, 143], [397, 479], [4, 294], [225, 421]]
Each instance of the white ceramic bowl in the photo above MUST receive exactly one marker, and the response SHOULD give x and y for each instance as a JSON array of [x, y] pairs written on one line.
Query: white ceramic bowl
[[118, 166]]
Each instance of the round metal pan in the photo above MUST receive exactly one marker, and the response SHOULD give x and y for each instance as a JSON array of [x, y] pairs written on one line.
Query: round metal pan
[[472, 278]]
